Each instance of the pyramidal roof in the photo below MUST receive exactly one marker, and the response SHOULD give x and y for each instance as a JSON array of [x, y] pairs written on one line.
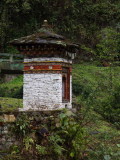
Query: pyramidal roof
[[45, 35]]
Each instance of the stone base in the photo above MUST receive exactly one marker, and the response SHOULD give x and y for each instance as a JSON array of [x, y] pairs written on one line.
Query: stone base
[[47, 108], [8, 138]]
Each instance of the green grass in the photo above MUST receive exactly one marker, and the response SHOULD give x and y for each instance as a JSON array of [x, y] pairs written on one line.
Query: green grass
[[95, 77], [90, 81], [18, 81], [13, 88], [104, 138], [98, 88], [95, 88], [10, 104], [8, 91]]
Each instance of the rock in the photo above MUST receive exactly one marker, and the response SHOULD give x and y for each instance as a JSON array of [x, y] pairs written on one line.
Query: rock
[[9, 118]]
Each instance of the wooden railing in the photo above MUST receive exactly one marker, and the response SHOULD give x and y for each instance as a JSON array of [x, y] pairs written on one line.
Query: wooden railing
[[11, 61]]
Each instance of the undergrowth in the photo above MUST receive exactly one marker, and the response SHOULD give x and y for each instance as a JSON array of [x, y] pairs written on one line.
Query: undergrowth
[[84, 135], [98, 88], [13, 89], [75, 136], [10, 104]]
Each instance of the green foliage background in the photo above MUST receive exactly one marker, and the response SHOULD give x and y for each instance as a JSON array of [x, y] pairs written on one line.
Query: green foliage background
[[83, 21], [13, 88], [95, 89]]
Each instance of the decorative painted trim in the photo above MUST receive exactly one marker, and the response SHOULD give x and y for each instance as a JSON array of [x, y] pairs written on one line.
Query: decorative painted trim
[[42, 71], [32, 51], [47, 62], [43, 67]]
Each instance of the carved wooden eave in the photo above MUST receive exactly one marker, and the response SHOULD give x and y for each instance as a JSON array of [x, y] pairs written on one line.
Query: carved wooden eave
[[44, 42]]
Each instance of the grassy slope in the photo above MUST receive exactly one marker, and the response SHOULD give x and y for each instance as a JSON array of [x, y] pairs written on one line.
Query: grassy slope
[[94, 77], [96, 87], [91, 82], [12, 88], [18, 81], [104, 138], [10, 104]]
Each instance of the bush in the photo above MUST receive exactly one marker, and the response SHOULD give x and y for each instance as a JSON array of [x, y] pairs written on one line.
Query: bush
[[2, 91], [15, 92], [18, 93], [109, 107], [13, 89], [97, 87], [80, 88], [65, 139]]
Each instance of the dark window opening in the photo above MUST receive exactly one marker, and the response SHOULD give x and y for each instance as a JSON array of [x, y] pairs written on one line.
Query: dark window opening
[[66, 86]]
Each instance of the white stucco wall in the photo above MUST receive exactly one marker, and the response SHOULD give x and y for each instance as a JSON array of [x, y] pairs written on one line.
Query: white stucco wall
[[56, 59], [70, 91], [43, 92]]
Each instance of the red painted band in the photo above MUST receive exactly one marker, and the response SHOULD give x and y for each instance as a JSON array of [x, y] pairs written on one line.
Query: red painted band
[[43, 67]]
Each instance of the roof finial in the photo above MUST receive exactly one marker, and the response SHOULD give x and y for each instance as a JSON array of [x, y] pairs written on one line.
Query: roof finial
[[46, 26], [45, 23]]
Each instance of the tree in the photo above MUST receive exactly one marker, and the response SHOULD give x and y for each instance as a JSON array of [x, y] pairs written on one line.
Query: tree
[[108, 48]]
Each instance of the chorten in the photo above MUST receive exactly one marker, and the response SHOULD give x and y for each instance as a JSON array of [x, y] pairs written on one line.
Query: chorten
[[47, 69]]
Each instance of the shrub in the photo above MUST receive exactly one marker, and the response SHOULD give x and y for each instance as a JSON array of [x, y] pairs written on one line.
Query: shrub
[[64, 141], [18, 93], [13, 89], [109, 107]]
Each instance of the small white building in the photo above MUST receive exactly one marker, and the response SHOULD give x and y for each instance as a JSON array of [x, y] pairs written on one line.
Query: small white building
[[47, 69]]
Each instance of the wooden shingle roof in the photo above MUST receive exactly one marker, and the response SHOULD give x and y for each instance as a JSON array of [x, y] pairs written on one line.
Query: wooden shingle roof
[[45, 35]]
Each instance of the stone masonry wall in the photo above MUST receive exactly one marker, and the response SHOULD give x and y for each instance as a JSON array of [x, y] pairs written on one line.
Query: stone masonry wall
[[6, 137], [42, 91]]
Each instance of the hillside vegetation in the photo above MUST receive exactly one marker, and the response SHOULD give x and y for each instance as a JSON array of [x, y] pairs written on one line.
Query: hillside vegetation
[[96, 92], [93, 24], [98, 88], [94, 87], [10, 104], [13, 88]]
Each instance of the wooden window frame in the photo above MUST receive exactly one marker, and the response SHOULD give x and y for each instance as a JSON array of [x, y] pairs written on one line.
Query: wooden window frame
[[66, 83]]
